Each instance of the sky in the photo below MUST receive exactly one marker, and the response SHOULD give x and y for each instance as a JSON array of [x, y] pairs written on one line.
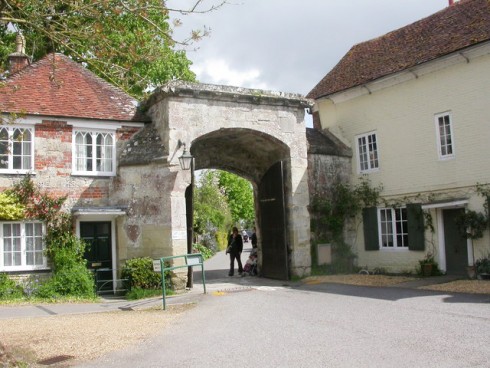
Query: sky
[[288, 45]]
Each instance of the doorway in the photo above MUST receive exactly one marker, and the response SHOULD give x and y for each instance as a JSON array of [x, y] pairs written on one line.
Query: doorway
[[99, 252], [456, 249]]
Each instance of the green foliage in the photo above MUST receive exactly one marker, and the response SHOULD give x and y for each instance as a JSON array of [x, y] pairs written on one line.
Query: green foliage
[[10, 208], [64, 249], [472, 224], [70, 274], [483, 265], [239, 195], [222, 239], [206, 252], [140, 272], [430, 261], [128, 43], [38, 205], [340, 203], [9, 288], [138, 293], [211, 211]]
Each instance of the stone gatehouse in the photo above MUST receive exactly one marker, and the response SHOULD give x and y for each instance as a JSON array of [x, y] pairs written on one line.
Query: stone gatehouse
[[116, 161]]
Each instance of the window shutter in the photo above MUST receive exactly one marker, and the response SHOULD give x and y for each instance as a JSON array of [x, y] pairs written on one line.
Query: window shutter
[[416, 231], [370, 223]]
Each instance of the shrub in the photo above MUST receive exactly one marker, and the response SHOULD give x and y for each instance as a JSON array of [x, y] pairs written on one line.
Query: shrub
[[70, 273], [206, 252], [9, 289], [140, 272], [483, 265], [10, 208]]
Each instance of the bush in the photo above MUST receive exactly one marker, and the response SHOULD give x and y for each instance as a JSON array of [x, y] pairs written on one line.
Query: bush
[[206, 252], [140, 272], [70, 273], [483, 265], [9, 289]]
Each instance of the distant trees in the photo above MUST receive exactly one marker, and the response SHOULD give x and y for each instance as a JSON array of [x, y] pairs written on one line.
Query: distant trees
[[222, 200]]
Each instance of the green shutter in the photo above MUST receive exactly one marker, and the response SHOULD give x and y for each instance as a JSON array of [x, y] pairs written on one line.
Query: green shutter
[[416, 231], [370, 223]]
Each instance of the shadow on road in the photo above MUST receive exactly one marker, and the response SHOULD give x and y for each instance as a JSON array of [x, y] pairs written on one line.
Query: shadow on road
[[216, 272]]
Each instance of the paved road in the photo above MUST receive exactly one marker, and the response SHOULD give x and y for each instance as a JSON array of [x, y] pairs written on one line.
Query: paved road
[[254, 322], [263, 323]]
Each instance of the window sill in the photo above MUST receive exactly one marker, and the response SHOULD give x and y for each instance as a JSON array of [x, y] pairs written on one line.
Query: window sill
[[17, 172], [20, 269], [92, 175]]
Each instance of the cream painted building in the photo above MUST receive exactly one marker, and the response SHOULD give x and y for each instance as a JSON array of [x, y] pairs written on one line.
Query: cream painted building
[[414, 107]]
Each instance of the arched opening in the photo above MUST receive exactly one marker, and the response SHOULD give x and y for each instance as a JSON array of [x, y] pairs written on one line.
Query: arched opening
[[262, 160]]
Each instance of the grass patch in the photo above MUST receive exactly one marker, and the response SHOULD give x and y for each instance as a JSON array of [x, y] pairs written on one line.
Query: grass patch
[[138, 293]]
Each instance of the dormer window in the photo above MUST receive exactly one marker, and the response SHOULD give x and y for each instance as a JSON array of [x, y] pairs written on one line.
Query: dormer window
[[16, 149]]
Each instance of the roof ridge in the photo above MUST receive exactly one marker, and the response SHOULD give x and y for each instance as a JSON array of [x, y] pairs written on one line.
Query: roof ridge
[[405, 47]]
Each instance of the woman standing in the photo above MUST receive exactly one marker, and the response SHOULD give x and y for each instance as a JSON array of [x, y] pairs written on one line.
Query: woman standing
[[235, 247]]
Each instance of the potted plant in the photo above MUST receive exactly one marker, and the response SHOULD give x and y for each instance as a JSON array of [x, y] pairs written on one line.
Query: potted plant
[[483, 268], [428, 265]]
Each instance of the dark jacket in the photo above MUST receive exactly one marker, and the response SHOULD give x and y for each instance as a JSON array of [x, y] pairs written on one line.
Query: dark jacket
[[236, 243]]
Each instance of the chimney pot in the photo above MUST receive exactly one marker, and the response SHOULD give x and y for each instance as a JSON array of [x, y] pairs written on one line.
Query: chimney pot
[[18, 60]]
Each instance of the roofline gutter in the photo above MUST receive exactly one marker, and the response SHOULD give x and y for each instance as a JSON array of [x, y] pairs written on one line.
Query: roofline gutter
[[463, 53]]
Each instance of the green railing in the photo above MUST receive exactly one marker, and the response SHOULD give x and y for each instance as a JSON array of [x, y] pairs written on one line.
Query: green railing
[[189, 260]]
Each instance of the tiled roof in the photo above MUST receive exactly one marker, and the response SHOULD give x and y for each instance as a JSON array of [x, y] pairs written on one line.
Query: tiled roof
[[58, 86], [454, 28]]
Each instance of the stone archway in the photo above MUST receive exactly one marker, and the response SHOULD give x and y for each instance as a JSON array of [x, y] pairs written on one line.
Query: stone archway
[[240, 130]]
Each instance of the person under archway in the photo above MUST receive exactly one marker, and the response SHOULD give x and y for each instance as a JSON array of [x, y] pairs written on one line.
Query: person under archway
[[235, 248], [254, 239]]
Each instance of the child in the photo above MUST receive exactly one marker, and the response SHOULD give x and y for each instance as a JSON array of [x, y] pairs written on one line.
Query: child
[[250, 267]]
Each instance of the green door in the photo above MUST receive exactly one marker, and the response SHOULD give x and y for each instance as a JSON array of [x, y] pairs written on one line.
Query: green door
[[99, 251], [455, 243]]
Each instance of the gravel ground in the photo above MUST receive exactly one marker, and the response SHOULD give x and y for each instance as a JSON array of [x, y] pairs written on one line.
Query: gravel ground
[[81, 337], [85, 337]]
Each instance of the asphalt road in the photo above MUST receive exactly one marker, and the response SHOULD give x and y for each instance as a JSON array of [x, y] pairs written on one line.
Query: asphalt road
[[275, 324]]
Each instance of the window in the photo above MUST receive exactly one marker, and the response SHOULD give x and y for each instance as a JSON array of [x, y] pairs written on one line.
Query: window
[[22, 246], [16, 149], [367, 149], [444, 136], [94, 153], [393, 228]]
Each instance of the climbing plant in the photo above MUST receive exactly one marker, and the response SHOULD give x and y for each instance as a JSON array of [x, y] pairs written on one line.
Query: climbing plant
[[341, 202], [331, 212], [64, 249]]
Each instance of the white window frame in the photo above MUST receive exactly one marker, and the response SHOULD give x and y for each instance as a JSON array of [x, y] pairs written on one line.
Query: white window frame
[[369, 152], [443, 146], [10, 165], [93, 133], [387, 228], [23, 247]]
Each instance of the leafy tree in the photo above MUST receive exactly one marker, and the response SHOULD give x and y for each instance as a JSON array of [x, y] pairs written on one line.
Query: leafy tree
[[239, 194], [210, 205], [128, 43]]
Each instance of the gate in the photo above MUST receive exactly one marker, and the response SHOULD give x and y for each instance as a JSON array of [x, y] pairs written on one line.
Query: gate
[[275, 262]]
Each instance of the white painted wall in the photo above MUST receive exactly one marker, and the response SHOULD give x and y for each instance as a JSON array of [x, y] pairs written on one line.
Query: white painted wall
[[403, 116]]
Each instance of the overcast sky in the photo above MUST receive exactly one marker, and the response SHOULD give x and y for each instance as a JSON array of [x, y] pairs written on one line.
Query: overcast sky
[[289, 45]]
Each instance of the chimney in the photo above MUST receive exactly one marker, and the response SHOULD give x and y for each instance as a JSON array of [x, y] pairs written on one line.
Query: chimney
[[18, 60], [451, 2]]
